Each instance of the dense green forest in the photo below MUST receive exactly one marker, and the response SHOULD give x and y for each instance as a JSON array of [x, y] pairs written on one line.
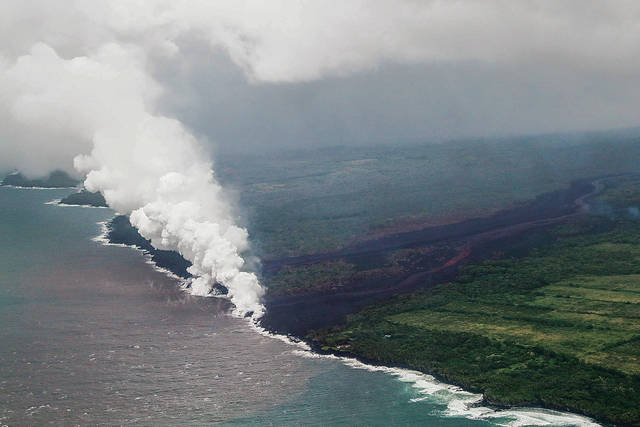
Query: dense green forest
[[559, 327], [316, 200]]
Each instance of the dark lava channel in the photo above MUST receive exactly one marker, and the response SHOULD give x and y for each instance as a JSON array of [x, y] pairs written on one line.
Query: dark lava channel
[[449, 246], [507, 231]]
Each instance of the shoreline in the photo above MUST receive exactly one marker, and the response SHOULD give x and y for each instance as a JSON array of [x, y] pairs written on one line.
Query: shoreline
[[481, 403], [19, 187], [476, 407], [579, 206], [467, 403]]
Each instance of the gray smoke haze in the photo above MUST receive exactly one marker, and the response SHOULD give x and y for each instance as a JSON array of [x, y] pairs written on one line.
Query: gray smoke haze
[[116, 91], [288, 72]]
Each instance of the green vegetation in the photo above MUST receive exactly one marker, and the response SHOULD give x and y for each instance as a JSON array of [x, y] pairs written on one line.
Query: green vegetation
[[318, 200], [324, 276], [559, 327], [624, 195], [338, 274]]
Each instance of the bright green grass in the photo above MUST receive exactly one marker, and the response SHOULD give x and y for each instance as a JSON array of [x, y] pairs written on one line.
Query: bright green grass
[[560, 327]]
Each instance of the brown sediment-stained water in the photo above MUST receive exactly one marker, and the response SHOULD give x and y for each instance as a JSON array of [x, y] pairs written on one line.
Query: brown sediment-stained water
[[93, 335], [476, 239]]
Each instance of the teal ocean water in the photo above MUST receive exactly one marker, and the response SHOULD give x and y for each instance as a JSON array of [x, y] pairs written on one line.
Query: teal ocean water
[[93, 334]]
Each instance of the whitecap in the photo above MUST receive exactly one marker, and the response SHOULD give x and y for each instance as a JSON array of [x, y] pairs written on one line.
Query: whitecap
[[458, 402]]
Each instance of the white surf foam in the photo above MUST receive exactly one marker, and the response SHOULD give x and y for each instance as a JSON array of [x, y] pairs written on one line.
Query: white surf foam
[[58, 202], [148, 259], [458, 402], [103, 239], [184, 284], [35, 188], [301, 345], [67, 205]]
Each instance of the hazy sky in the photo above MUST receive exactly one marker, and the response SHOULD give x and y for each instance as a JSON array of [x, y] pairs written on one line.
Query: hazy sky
[[398, 102], [394, 71], [252, 74]]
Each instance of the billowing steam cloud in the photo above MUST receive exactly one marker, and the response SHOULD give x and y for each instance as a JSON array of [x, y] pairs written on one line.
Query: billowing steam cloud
[[288, 41], [77, 82], [146, 165]]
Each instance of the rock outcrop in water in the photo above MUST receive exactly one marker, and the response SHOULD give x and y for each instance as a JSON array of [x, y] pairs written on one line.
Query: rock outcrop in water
[[120, 231], [85, 198]]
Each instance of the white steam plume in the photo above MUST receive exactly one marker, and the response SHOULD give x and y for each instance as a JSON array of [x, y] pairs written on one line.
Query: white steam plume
[[146, 165], [76, 78], [286, 41]]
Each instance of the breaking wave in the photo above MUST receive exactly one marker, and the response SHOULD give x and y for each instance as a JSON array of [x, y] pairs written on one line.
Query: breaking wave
[[458, 402]]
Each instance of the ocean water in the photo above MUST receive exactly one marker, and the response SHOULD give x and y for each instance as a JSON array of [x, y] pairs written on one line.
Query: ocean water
[[93, 334]]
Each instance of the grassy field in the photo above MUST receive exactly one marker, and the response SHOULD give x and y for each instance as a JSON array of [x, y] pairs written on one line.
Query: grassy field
[[559, 327], [316, 200]]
